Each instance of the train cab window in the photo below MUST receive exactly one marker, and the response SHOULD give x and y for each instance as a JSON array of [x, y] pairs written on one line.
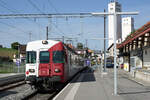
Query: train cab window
[[31, 57], [58, 57], [44, 57]]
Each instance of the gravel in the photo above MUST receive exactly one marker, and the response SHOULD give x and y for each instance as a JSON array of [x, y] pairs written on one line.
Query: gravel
[[17, 93]]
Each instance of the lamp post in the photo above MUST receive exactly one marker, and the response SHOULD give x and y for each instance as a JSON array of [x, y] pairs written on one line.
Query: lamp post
[[104, 43]]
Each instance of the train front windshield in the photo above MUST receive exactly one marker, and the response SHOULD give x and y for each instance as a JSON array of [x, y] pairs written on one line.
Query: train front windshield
[[58, 56], [31, 57], [44, 57]]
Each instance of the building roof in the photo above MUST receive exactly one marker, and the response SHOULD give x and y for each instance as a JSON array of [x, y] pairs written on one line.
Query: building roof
[[134, 35], [23, 49]]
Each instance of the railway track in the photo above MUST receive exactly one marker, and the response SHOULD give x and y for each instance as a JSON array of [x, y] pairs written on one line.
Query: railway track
[[41, 95], [19, 90], [34, 95], [49, 95], [11, 79], [11, 82], [10, 86], [44, 95]]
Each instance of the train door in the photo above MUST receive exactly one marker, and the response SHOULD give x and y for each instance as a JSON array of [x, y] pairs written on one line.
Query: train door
[[44, 63], [31, 63]]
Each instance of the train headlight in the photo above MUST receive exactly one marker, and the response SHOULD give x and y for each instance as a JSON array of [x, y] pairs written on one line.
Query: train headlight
[[32, 70], [57, 70], [44, 42]]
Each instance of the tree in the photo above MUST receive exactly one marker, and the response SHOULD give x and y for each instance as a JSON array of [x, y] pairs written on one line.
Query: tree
[[15, 45], [80, 46]]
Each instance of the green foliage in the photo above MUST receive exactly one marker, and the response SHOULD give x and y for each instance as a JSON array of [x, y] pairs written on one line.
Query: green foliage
[[15, 45], [7, 53], [80, 46]]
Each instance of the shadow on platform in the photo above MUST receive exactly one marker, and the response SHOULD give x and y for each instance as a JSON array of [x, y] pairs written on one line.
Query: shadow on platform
[[88, 76]]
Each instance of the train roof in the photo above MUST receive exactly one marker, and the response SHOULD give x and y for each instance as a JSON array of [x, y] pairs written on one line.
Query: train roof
[[40, 44], [45, 44]]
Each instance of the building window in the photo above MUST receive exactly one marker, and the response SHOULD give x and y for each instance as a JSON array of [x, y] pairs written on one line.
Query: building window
[[111, 8]]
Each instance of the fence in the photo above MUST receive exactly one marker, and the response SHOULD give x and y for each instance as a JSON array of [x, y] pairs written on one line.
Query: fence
[[10, 67]]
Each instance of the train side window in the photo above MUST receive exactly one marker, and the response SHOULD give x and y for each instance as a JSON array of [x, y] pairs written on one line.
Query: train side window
[[65, 57], [70, 59], [44, 57], [58, 56], [31, 57]]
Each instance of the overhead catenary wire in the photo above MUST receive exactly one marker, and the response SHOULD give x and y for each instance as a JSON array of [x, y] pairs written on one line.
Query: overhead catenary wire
[[50, 21], [12, 26], [34, 5], [56, 27], [4, 5], [14, 34], [38, 9], [11, 34], [51, 4], [7, 7], [56, 10]]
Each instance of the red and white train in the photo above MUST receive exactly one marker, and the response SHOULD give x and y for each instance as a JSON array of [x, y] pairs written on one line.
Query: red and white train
[[49, 62]]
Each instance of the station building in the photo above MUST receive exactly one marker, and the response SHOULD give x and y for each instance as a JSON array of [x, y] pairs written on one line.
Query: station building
[[135, 49]]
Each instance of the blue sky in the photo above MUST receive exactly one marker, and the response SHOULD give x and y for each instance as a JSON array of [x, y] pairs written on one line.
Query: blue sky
[[12, 30]]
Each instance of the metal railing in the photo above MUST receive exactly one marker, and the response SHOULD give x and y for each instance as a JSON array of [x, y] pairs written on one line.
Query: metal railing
[[10, 67]]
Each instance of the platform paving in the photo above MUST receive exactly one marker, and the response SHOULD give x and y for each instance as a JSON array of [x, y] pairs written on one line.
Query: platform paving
[[92, 85]]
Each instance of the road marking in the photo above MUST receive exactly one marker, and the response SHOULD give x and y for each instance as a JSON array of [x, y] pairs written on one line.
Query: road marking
[[74, 89]]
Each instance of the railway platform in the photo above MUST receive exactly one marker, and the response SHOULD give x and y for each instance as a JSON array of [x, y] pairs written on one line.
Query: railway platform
[[11, 78], [93, 85]]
